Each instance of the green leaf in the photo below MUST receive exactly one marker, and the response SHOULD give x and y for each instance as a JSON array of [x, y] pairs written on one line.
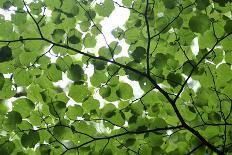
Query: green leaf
[[124, 91], [57, 108], [58, 35], [74, 39], [105, 9], [98, 78], [53, 72], [22, 77], [170, 4], [91, 104], [5, 54], [2, 81], [199, 23], [105, 92], [24, 106], [7, 148], [30, 139], [228, 26], [139, 54], [74, 112], [174, 79], [79, 92], [7, 91], [89, 41], [76, 73], [70, 7], [202, 4], [13, 118]]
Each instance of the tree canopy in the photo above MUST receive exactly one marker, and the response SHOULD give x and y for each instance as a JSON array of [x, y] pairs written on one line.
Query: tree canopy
[[186, 101]]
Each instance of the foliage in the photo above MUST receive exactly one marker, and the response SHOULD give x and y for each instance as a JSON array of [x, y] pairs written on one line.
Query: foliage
[[170, 117]]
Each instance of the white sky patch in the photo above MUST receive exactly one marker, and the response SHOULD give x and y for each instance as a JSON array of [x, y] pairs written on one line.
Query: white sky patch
[[7, 75], [64, 82], [169, 132], [7, 13], [195, 46]]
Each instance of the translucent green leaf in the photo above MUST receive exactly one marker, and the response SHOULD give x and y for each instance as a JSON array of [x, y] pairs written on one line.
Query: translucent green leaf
[[109, 110], [124, 91], [228, 26], [53, 73], [170, 4], [76, 73], [174, 79], [7, 148], [199, 23], [79, 92], [74, 111], [58, 35], [105, 92], [36, 8], [7, 90], [105, 9], [161, 24], [73, 39], [19, 18], [127, 2], [24, 106], [139, 54], [13, 118], [98, 78], [30, 139], [22, 77], [89, 41], [2, 81], [91, 104], [70, 7], [202, 4], [57, 108], [53, 4]]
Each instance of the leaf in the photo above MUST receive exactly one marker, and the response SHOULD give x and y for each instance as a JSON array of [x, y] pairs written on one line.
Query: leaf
[[105, 92], [7, 148], [202, 4], [139, 54], [57, 108], [74, 111], [7, 91], [5, 54], [124, 91], [174, 79], [89, 41], [58, 35], [76, 73], [228, 26], [24, 106], [53, 73], [74, 39], [105, 9], [30, 139], [199, 23], [79, 92], [70, 7], [13, 118], [22, 77], [170, 4], [2, 81]]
